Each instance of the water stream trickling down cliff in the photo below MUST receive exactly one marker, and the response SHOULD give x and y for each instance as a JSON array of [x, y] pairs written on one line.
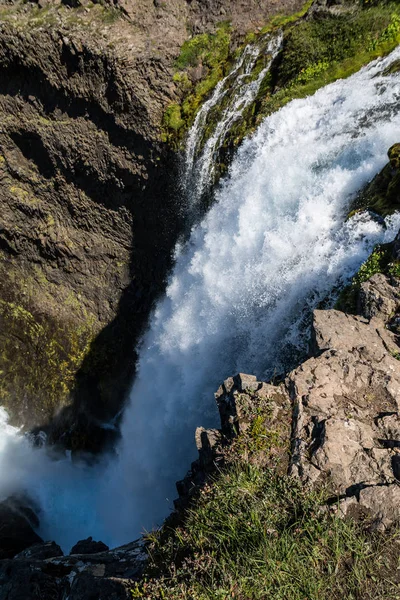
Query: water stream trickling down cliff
[[231, 96], [273, 245]]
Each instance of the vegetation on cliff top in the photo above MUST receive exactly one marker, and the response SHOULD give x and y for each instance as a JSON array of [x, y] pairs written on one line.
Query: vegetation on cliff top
[[316, 50], [254, 534]]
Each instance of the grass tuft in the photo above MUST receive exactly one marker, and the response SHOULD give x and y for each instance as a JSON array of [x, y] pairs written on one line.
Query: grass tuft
[[252, 534]]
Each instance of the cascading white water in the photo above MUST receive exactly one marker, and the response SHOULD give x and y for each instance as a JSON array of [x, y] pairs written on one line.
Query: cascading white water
[[242, 90], [274, 244]]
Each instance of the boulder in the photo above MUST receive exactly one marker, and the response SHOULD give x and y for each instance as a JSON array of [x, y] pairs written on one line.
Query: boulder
[[41, 551], [347, 405], [378, 297], [88, 546], [107, 575]]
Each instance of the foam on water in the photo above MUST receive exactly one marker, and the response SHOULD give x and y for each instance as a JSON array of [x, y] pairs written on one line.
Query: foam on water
[[273, 245]]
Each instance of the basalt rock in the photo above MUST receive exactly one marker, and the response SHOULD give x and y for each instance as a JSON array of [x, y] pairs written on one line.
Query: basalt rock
[[41, 551], [89, 546]]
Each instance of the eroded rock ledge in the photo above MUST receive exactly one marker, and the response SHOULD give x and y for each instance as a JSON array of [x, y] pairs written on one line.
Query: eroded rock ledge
[[336, 417]]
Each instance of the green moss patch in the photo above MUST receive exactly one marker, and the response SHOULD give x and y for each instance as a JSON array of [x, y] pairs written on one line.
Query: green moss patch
[[380, 261], [40, 353], [208, 52], [382, 194]]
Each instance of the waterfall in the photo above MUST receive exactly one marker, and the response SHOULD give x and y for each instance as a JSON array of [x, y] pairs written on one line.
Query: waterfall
[[274, 244], [230, 98]]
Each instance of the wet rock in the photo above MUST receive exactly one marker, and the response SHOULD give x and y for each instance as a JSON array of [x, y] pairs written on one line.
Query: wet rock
[[41, 551], [104, 575], [17, 521], [95, 586], [88, 546]]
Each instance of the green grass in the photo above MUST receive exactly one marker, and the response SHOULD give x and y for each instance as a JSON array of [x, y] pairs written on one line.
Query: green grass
[[211, 51], [282, 20], [317, 52], [380, 261], [252, 534]]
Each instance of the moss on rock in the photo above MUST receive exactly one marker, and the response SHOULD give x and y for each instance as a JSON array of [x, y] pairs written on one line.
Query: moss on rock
[[40, 352], [394, 156], [381, 260], [382, 194], [203, 61]]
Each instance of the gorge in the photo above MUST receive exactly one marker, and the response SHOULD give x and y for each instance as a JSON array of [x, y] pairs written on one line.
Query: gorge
[[275, 243]]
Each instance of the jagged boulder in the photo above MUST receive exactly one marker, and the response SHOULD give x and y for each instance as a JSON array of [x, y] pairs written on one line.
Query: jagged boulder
[[88, 546], [346, 423], [41, 551], [104, 575], [378, 297], [334, 421]]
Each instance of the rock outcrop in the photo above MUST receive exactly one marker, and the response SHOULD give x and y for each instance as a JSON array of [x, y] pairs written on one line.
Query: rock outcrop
[[89, 546], [105, 575], [17, 524], [335, 419], [382, 194]]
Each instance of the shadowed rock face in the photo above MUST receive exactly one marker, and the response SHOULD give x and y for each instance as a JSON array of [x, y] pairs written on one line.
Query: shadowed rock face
[[17, 521], [104, 575], [89, 202]]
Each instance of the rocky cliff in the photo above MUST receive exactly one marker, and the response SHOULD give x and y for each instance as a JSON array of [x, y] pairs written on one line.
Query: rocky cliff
[[89, 202]]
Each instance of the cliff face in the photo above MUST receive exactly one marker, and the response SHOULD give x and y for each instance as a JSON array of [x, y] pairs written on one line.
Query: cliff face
[[89, 210]]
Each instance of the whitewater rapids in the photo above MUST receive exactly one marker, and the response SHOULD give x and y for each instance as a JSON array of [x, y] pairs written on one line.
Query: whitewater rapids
[[273, 245]]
